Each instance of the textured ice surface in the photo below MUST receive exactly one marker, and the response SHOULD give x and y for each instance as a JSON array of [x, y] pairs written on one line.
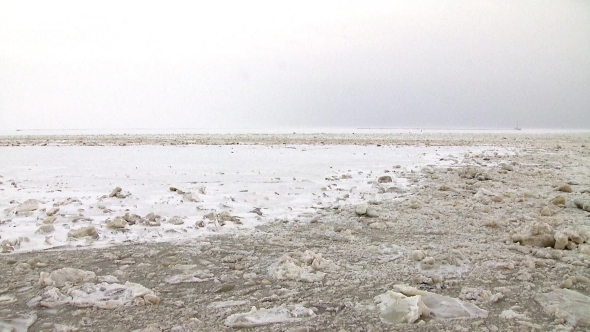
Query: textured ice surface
[[20, 324], [568, 304], [282, 314], [303, 266], [406, 304], [68, 187]]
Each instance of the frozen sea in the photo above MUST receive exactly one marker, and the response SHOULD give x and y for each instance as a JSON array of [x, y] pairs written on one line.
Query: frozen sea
[[253, 183], [306, 130]]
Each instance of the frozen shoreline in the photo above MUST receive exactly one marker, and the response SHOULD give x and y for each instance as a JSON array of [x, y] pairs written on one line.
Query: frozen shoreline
[[50, 192]]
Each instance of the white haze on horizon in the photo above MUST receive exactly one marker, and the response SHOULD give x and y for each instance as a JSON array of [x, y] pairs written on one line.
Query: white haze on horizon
[[263, 64]]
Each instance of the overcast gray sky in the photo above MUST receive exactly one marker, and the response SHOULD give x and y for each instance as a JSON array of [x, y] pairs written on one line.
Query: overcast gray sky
[[236, 64]]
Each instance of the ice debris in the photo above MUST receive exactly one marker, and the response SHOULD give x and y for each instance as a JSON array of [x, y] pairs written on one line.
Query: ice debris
[[66, 276], [361, 209], [405, 304], [397, 308], [26, 208], [118, 193], [226, 304], [584, 205], [537, 234], [282, 314], [569, 305], [69, 286], [189, 273], [21, 324], [303, 266], [83, 232], [385, 179]]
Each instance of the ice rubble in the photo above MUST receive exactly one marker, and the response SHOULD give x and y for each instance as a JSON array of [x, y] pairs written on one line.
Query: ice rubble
[[540, 234], [66, 276], [406, 304], [397, 308], [261, 317], [302, 266], [188, 273], [21, 324], [566, 304], [69, 286]]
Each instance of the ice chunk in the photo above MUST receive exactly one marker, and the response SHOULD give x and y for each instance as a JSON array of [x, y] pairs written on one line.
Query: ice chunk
[[568, 304], [27, 207], [67, 275], [303, 266], [76, 287], [18, 324], [225, 304], [282, 314], [443, 307], [536, 234], [397, 308]]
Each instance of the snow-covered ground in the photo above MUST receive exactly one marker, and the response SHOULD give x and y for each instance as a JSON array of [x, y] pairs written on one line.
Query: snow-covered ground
[[47, 193], [295, 232]]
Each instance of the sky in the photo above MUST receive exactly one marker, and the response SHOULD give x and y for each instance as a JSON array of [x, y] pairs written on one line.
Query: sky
[[278, 64]]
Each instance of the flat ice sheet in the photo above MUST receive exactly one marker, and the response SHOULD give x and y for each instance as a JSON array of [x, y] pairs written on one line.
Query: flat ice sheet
[[282, 182]]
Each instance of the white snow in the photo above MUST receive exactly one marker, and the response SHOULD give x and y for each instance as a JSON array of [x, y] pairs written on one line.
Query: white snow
[[284, 182]]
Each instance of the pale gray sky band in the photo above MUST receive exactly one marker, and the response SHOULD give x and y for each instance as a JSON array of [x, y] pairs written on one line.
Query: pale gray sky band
[[236, 64]]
